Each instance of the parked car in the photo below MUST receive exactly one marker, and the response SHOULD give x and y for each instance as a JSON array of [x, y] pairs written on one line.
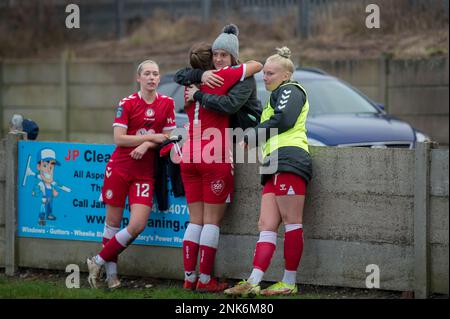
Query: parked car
[[339, 114]]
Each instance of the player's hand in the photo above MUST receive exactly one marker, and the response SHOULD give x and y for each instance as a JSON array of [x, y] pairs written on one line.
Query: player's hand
[[211, 79], [55, 193], [159, 138], [140, 151], [189, 93]]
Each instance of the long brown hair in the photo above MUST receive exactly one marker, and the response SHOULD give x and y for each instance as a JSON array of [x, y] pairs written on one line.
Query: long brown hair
[[200, 56]]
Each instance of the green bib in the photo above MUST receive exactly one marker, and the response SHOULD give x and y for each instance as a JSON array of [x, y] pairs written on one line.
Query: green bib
[[295, 136]]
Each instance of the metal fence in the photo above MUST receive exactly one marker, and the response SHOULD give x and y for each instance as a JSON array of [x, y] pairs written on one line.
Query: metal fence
[[117, 16]]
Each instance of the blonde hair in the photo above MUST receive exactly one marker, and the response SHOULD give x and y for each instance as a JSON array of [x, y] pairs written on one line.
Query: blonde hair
[[141, 66], [283, 58]]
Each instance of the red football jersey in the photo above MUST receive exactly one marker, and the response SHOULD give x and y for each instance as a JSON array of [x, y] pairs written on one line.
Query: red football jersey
[[141, 118], [201, 119]]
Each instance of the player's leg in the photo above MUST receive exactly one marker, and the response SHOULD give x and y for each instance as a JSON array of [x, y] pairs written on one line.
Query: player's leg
[[269, 221], [113, 221], [192, 182], [209, 241], [114, 193], [217, 189], [191, 244], [139, 214], [113, 218], [290, 201], [140, 195]]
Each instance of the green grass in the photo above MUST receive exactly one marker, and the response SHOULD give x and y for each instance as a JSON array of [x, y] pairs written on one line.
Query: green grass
[[48, 289], [54, 288]]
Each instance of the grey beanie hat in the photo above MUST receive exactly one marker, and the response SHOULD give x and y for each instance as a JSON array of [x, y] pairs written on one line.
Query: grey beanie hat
[[228, 40]]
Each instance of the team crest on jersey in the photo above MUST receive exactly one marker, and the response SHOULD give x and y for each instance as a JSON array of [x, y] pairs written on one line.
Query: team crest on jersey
[[217, 186], [150, 112]]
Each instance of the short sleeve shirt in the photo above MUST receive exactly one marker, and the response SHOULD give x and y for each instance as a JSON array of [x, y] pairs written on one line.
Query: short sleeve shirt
[[201, 119], [141, 118]]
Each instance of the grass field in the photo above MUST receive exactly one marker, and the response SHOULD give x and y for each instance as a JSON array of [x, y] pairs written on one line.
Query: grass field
[[44, 284], [14, 287]]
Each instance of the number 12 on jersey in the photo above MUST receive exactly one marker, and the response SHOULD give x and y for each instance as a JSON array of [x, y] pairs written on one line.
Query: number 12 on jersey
[[142, 190]]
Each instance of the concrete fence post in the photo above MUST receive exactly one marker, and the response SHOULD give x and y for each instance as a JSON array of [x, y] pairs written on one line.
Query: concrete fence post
[[11, 156], [422, 220]]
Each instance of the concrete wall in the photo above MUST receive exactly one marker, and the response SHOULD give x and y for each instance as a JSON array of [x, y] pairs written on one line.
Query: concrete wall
[[75, 100], [439, 222], [415, 91], [360, 210]]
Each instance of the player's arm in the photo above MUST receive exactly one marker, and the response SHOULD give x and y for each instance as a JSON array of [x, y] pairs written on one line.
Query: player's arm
[[236, 97], [168, 132], [251, 68], [170, 124], [122, 139], [120, 125], [188, 76], [286, 112]]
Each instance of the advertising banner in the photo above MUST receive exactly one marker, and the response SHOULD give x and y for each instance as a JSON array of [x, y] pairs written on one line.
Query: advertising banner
[[59, 196]]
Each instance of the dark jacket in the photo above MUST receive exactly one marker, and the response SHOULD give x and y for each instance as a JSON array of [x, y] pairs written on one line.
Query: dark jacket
[[165, 169], [240, 100], [288, 159]]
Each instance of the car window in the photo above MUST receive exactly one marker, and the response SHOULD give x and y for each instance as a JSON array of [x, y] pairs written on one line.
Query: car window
[[179, 99], [175, 91], [327, 97], [167, 88], [334, 97]]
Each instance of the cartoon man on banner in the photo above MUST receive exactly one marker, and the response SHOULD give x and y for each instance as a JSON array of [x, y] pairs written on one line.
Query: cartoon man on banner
[[45, 185]]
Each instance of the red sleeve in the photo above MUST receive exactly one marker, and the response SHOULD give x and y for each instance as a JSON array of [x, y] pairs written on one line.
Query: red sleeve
[[170, 123], [122, 113], [232, 74]]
